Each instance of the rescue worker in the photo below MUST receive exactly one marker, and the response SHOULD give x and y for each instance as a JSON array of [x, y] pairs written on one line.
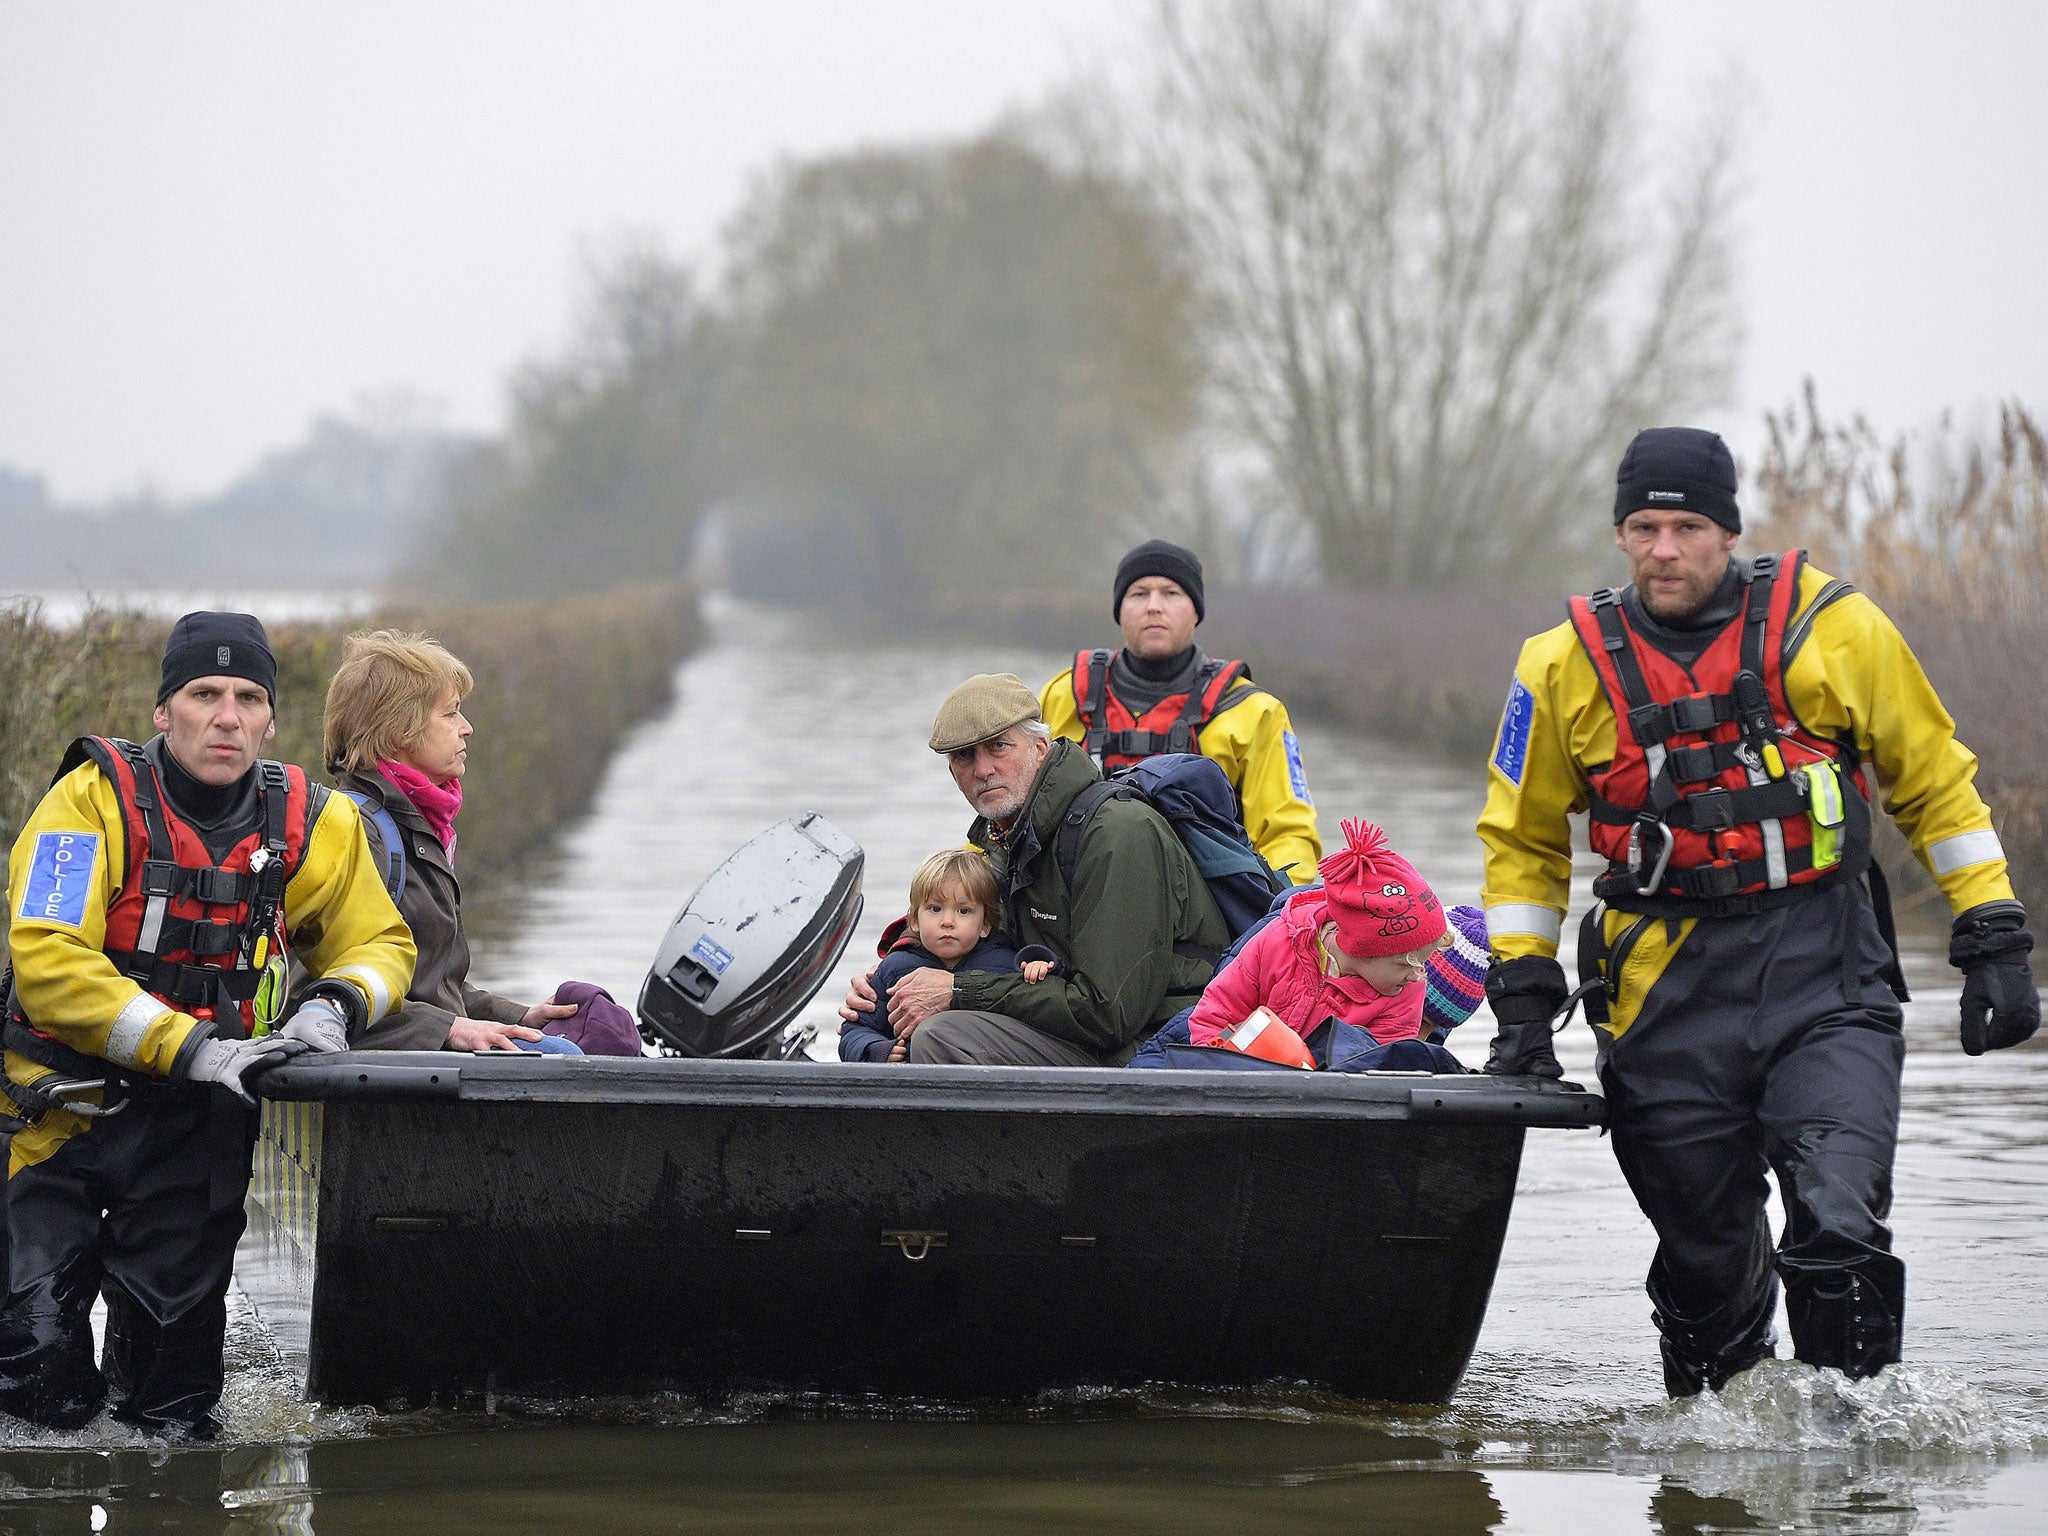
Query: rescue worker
[[1161, 693], [150, 896], [1719, 719], [1136, 931]]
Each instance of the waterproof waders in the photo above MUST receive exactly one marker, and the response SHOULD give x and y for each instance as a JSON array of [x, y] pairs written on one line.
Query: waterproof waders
[[169, 1172], [1773, 1042]]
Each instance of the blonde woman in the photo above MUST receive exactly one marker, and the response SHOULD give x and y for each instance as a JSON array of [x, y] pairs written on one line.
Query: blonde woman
[[397, 742]]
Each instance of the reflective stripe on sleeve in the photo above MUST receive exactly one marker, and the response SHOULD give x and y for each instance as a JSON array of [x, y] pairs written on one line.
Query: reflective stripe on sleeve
[[1963, 850], [373, 986], [131, 1025], [1524, 918]]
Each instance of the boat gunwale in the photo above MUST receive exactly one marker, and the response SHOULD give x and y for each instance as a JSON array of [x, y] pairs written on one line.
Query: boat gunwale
[[502, 1078]]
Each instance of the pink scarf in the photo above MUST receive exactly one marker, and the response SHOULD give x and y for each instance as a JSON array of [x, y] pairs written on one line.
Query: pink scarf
[[436, 803]]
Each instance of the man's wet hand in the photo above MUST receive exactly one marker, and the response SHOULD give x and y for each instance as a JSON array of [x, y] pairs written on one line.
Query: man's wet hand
[[917, 997], [860, 996]]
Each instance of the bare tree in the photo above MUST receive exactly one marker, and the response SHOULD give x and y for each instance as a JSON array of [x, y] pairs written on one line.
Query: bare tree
[[958, 367], [1438, 301], [613, 453]]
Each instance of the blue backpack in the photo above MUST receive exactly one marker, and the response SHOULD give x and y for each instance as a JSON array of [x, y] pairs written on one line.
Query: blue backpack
[[1190, 791], [386, 824]]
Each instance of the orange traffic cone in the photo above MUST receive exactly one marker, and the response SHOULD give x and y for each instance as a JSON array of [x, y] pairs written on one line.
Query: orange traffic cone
[[1263, 1035]]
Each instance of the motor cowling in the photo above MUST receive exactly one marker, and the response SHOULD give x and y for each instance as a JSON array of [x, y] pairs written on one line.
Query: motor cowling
[[754, 942]]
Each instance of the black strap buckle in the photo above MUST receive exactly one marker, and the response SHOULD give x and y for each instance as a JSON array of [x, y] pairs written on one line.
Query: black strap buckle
[[1714, 882], [1711, 811], [217, 887], [1691, 765], [214, 938], [159, 877], [1693, 712]]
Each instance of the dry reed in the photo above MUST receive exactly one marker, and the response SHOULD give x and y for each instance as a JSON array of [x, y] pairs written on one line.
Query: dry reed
[[1950, 537]]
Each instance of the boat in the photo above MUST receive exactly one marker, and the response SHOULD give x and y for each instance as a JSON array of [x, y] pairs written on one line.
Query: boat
[[431, 1227], [428, 1227]]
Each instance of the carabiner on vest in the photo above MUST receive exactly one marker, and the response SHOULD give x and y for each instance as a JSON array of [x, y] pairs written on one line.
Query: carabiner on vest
[[1647, 885]]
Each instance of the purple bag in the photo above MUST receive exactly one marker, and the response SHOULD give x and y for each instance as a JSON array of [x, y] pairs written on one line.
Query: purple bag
[[599, 1025]]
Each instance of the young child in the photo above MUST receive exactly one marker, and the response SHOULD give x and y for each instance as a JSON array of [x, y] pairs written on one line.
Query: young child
[[953, 902], [1357, 949]]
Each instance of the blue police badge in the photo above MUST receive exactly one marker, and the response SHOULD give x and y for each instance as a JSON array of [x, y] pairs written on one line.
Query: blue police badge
[[1297, 776], [59, 878], [1511, 750]]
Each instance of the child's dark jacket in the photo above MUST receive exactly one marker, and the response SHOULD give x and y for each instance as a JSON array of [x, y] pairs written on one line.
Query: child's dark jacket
[[869, 1037]]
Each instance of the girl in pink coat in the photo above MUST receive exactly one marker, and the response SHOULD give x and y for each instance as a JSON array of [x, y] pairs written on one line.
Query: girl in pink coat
[[1356, 949]]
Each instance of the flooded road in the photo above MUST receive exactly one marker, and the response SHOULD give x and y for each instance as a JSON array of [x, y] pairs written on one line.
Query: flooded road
[[1561, 1424]]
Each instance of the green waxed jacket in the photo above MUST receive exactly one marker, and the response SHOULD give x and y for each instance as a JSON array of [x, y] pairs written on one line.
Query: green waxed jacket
[[1136, 895]]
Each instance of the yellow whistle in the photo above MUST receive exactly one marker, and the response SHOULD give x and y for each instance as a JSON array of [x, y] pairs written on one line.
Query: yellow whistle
[[261, 952], [1774, 760]]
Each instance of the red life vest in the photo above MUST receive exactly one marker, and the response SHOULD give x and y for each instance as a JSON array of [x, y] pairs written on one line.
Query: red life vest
[[1718, 800], [1116, 738], [192, 933]]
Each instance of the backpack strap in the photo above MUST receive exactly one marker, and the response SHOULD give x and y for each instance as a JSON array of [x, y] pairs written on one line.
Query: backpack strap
[[378, 815], [1066, 845]]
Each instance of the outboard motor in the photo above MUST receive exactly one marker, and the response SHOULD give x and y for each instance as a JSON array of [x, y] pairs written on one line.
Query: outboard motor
[[754, 942]]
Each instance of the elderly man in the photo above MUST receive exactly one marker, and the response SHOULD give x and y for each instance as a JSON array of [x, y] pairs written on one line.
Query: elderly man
[[1715, 719], [1161, 693], [1137, 934], [151, 895]]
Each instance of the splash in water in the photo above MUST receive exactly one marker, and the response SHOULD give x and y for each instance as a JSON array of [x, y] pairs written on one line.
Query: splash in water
[[1782, 1405]]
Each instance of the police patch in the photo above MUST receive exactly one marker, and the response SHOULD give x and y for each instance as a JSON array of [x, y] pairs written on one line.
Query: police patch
[[1297, 776], [59, 878], [1511, 749]]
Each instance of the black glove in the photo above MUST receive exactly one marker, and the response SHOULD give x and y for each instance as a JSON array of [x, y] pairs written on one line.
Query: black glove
[[2000, 1005], [1525, 995]]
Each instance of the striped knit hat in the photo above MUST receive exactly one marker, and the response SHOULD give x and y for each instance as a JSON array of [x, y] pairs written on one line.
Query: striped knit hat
[[1457, 976]]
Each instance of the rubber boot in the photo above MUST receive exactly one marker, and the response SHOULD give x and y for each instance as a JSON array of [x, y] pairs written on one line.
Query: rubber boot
[[47, 1375], [165, 1378], [1704, 1351], [1849, 1318]]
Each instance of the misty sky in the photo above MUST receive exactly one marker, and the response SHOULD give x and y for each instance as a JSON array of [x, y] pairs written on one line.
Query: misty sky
[[218, 219]]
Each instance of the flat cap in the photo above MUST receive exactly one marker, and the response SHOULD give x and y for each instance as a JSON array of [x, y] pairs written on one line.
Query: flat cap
[[986, 705]]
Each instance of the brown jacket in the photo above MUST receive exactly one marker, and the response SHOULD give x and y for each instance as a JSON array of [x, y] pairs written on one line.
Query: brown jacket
[[431, 905]]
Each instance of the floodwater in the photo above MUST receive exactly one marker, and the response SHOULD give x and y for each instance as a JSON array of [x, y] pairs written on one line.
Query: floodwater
[[1560, 1425]]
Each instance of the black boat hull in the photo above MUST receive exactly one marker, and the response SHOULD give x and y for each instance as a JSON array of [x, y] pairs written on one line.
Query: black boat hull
[[546, 1228]]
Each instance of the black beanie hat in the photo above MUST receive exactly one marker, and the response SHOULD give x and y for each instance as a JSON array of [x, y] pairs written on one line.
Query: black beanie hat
[[1678, 469], [218, 645], [1156, 557]]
